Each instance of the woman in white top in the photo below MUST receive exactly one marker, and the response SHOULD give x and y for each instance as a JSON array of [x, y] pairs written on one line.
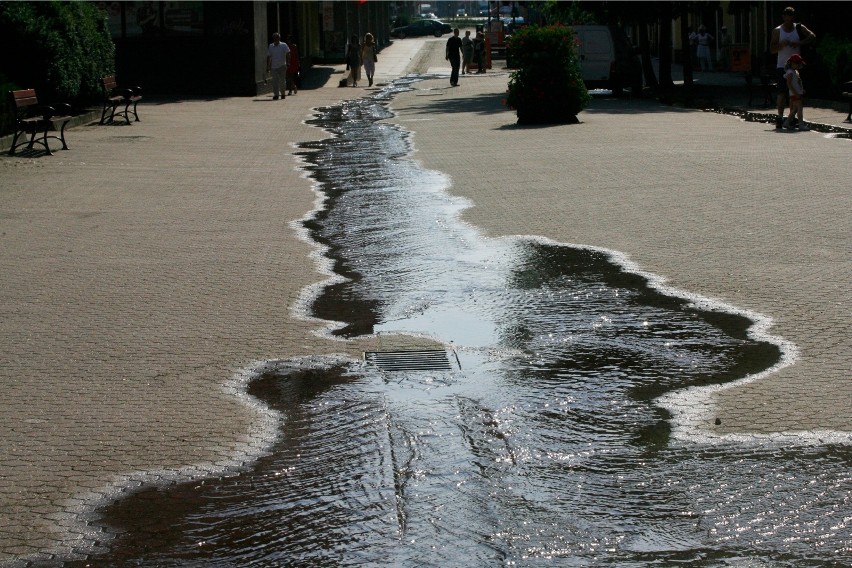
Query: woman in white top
[[369, 57], [704, 40]]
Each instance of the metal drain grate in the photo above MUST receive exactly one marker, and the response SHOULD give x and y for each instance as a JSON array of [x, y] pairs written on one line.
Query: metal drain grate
[[430, 360]]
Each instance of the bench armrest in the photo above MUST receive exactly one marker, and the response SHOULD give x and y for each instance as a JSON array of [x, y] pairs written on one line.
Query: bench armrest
[[62, 109], [126, 92]]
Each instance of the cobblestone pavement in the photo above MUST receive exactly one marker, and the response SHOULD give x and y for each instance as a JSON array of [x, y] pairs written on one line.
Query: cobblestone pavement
[[149, 268]]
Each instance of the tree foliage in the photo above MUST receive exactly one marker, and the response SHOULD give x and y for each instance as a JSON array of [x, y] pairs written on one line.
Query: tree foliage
[[836, 55], [62, 49]]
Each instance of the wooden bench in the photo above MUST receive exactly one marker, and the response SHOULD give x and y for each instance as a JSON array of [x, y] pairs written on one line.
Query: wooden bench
[[34, 119], [115, 97], [847, 94]]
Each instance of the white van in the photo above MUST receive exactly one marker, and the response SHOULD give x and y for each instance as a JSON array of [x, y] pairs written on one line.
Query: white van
[[607, 59]]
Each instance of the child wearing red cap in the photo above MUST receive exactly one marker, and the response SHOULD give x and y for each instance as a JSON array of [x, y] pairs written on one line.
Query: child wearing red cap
[[796, 90]]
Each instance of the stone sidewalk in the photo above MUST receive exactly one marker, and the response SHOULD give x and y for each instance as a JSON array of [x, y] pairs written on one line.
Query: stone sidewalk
[[149, 269], [724, 210]]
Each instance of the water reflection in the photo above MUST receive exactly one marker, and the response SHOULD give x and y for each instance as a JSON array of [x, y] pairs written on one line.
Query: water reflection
[[545, 445]]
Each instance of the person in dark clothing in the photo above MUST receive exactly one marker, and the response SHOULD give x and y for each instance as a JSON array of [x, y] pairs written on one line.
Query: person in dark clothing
[[453, 55], [353, 60], [479, 52]]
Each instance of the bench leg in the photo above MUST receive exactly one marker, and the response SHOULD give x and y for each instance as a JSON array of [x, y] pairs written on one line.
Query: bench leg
[[134, 111], [125, 113], [32, 140], [849, 114], [103, 113], [15, 142], [45, 144], [62, 135]]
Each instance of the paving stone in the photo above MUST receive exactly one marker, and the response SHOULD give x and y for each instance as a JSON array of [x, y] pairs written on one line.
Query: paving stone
[[146, 268]]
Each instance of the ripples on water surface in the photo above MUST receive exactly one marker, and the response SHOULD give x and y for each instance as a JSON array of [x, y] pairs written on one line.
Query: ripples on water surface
[[543, 449]]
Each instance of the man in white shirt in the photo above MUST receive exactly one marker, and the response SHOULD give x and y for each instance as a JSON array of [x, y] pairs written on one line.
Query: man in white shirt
[[787, 39], [277, 59]]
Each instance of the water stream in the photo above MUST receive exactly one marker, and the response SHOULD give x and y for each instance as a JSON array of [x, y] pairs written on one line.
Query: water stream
[[543, 446]]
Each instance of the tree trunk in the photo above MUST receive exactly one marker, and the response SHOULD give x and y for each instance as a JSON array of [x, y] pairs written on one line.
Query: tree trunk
[[666, 45], [687, 50], [645, 49]]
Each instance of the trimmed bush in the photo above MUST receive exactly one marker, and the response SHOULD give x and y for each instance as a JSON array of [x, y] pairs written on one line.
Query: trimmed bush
[[548, 85]]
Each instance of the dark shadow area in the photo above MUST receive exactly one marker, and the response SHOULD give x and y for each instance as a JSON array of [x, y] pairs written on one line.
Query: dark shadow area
[[318, 76]]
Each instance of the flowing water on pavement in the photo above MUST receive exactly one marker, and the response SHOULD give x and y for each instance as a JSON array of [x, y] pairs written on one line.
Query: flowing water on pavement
[[542, 445]]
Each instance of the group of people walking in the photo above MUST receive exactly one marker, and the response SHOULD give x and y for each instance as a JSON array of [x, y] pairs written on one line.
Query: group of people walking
[[282, 63], [358, 55], [462, 52]]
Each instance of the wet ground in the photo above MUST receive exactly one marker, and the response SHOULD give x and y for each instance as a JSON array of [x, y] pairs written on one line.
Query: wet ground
[[543, 441]]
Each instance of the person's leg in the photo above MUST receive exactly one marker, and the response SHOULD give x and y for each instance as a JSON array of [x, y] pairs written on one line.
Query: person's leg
[[800, 112], [788, 122], [782, 96], [284, 82], [276, 84]]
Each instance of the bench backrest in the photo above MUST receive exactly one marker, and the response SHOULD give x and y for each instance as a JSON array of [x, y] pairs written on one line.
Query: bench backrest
[[109, 83], [24, 98]]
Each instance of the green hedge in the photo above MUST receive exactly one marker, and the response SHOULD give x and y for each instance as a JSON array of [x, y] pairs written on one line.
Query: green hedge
[[548, 85], [62, 49], [836, 56]]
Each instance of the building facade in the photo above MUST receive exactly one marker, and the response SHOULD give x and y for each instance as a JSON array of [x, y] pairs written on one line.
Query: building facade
[[201, 48]]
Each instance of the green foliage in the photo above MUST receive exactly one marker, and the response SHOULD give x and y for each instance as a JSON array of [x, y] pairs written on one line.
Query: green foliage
[[567, 12], [836, 54], [62, 49], [548, 85]]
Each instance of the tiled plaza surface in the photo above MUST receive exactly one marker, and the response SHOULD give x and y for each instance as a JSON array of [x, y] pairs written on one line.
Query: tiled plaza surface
[[148, 267]]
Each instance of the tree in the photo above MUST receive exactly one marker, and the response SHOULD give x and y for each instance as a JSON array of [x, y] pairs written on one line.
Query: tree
[[67, 45]]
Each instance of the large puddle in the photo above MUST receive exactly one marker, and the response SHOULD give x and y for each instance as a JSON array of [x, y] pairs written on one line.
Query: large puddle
[[543, 445]]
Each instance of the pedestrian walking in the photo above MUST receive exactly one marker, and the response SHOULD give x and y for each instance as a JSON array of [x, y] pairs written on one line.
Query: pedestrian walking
[[704, 40], [479, 52], [467, 52], [293, 67], [277, 57], [796, 91], [353, 60], [369, 57], [453, 55], [787, 40]]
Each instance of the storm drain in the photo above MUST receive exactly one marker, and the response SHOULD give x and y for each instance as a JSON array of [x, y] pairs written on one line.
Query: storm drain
[[430, 360]]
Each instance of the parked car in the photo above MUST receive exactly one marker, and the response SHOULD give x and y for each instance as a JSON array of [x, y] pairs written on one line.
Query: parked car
[[460, 13], [436, 28], [607, 59]]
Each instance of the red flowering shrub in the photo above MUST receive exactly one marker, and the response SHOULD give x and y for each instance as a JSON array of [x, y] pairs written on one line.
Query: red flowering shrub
[[547, 86]]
